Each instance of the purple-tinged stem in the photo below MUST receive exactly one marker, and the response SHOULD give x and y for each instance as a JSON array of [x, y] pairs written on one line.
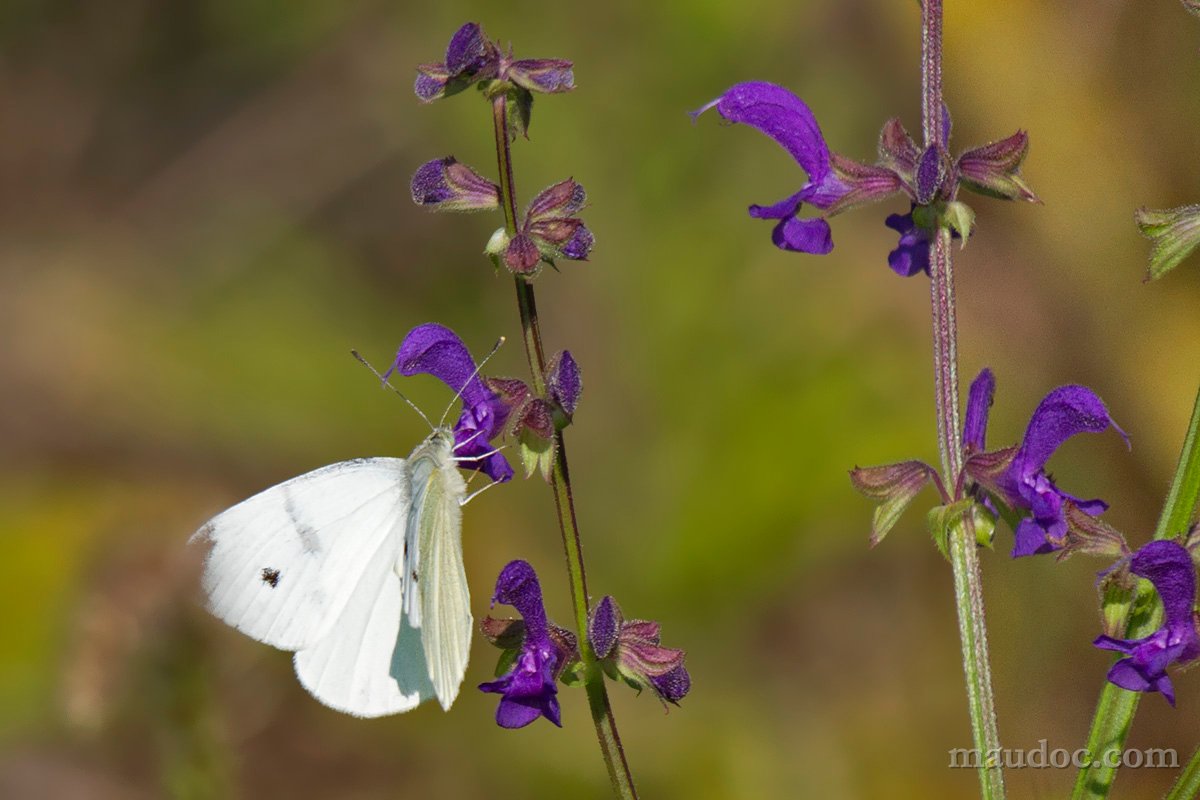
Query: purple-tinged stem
[[964, 556], [560, 482]]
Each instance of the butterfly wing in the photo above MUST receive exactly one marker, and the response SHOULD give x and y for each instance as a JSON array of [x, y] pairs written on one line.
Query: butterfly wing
[[435, 524], [371, 663], [285, 564]]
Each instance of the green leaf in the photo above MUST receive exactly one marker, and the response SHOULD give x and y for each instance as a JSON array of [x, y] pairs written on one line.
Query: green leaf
[[943, 519], [961, 219], [1175, 233], [537, 453]]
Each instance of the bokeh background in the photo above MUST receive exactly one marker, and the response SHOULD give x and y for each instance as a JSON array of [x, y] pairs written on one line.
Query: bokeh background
[[205, 205]]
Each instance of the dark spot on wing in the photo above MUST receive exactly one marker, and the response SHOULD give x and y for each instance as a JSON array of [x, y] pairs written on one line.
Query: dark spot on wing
[[270, 577], [414, 576], [309, 539]]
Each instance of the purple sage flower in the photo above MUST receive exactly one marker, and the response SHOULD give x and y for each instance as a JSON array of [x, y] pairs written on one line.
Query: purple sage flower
[[528, 690], [912, 252], [836, 183], [786, 118], [1169, 566], [436, 350], [472, 58], [631, 650], [550, 230], [1017, 476]]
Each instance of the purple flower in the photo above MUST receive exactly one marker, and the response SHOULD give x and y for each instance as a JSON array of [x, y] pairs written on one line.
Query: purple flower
[[836, 183], [912, 253], [436, 350], [550, 230], [790, 122], [528, 690], [631, 650], [471, 58], [1167, 565], [1018, 475]]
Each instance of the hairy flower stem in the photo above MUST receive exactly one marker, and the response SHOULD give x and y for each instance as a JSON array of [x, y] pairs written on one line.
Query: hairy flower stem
[[560, 482], [1115, 710], [964, 556]]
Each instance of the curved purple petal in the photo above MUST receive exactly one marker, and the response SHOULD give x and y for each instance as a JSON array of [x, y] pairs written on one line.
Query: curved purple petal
[[1065, 412], [436, 350], [979, 403], [518, 587], [1168, 565], [803, 236], [781, 115]]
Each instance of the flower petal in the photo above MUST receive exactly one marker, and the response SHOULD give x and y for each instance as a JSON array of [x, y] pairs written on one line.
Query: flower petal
[[1030, 539], [979, 402], [1066, 411], [467, 49], [912, 253], [518, 587], [787, 207], [436, 350], [1168, 565], [781, 115], [803, 236]]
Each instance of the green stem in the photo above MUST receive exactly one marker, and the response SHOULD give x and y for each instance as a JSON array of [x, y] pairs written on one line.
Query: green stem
[[1116, 707], [560, 483], [1188, 785], [964, 556]]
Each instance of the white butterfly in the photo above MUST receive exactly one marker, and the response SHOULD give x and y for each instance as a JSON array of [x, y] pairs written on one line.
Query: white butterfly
[[358, 568]]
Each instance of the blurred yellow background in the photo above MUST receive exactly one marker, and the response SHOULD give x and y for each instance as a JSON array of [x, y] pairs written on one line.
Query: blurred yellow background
[[205, 205]]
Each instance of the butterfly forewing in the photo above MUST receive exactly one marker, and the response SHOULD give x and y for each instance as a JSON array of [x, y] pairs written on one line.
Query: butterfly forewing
[[284, 564], [441, 582]]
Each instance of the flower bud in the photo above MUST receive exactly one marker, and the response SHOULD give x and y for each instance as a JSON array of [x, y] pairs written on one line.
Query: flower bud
[[994, 169], [1175, 233], [544, 75], [894, 486], [564, 381], [446, 185]]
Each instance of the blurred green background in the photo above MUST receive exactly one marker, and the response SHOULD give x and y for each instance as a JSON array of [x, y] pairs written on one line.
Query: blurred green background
[[205, 205]]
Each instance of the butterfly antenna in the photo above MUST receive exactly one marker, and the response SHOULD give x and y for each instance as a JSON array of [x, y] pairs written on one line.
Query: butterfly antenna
[[470, 378], [384, 381]]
